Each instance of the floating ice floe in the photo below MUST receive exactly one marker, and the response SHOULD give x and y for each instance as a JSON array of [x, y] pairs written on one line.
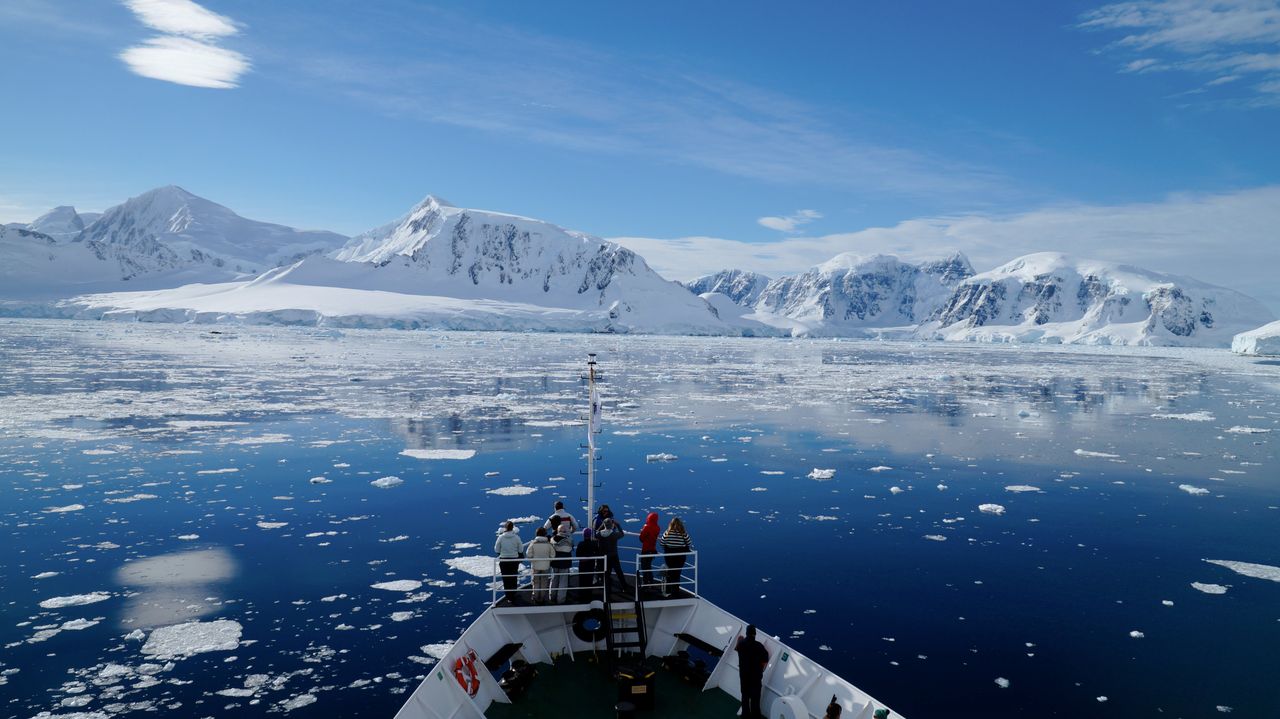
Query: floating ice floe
[[387, 482], [1137, 634], [822, 473], [272, 525], [896, 490], [1167, 602], [1002, 682], [1021, 488], [98, 452], [224, 470], [477, 566], [1257, 571], [465, 545], [75, 600], [77, 624], [320, 480], [515, 490], [298, 702], [1192, 489], [880, 468], [399, 585], [439, 453], [991, 508], [819, 518], [184, 640], [437, 651], [1186, 416], [1100, 455], [1238, 429], [759, 489], [188, 537], [1209, 588], [68, 508], [772, 472], [44, 575], [935, 537], [660, 457], [402, 616]]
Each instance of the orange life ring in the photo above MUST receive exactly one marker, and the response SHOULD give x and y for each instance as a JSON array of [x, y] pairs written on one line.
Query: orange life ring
[[464, 668]]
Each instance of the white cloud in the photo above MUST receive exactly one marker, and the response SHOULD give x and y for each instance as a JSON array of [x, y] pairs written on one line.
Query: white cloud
[[186, 54], [1228, 239], [181, 17], [186, 62], [1198, 36], [789, 223]]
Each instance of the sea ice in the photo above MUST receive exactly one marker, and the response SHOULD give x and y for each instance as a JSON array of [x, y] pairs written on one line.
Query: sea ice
[[822, 473], [1090, 453], [77, 624], [935, 537], [298, 702], [387, 482], [75, 600], [44, 575], [991, 508], [272, 525], [399, 585], [1021, 488], [515, 490], [402, 616], [880, 468], [1187, 416], [1002, 682], [68, 508], [1209, 588], [183, 640], [1248, 430], [437, 651], [1136, 634], [660, 457], [439, 453], [320, 480], [1257, 571], [1192, 489], [477, 566]]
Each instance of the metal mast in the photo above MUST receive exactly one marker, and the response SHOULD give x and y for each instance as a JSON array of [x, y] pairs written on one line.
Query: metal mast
[[593, 428]]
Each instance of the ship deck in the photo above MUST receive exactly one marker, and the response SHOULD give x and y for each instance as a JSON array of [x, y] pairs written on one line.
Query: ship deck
[[583, 687]]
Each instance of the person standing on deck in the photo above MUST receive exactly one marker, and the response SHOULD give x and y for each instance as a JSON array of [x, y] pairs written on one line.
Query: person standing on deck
[[509, 549], [589, 553], [560, 566], [675, 545], [648, 545], [564, 516], [602, 514], [540, 553], [752, 660], [610, 534]]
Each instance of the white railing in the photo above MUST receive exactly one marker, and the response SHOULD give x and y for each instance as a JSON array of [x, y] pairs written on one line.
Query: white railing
[[660, 577]]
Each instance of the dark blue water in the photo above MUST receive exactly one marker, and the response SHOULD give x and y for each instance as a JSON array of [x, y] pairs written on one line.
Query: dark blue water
[[849, 571]]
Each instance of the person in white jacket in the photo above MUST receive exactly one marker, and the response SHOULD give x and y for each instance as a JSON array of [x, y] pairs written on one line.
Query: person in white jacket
[[564, 517], [539, 552], [509, 549]]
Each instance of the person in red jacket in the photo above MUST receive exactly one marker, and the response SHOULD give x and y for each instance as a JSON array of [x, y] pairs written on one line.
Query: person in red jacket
[[648, 546]]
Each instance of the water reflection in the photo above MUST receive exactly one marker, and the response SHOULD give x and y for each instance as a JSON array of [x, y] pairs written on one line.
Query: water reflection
[[173, 588]]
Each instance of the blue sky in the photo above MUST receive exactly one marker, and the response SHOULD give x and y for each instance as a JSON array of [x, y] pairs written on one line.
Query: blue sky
[[666, 120]]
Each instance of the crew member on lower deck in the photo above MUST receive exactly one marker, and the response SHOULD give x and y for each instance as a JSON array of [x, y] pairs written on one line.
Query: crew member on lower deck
[[752, 660]]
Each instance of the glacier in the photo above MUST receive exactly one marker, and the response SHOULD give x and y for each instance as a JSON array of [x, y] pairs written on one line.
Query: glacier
[[1263, 341]]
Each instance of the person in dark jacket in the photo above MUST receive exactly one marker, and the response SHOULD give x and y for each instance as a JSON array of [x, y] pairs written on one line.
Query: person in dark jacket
[[648, 545], [563, 543], [676, 546], [589, 563], [752, 660], [602, 514], [610, 534]]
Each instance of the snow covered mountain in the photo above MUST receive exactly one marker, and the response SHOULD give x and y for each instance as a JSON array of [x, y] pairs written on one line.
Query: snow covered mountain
[[849, 294], [449, 267], [162, 238], [169, 228], [741, 286], [1051, 297]]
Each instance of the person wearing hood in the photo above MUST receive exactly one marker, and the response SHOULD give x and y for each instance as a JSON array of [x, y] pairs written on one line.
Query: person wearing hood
[[648, 547], [589, 553], [509, 549], [563, 562], [610, 534], [540, 553]]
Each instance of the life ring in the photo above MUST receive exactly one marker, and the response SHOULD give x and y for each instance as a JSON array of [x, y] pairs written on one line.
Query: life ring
[[588, 625], [464, 668]]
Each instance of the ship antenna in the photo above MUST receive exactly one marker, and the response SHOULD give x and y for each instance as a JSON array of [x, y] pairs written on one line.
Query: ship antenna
[[593, 428]]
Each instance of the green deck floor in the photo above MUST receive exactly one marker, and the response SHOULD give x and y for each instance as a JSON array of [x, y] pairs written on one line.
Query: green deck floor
[[583, 689]]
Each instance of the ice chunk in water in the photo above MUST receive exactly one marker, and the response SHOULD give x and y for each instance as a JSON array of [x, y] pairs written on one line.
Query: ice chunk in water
[[387, 482], [183, 640]]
